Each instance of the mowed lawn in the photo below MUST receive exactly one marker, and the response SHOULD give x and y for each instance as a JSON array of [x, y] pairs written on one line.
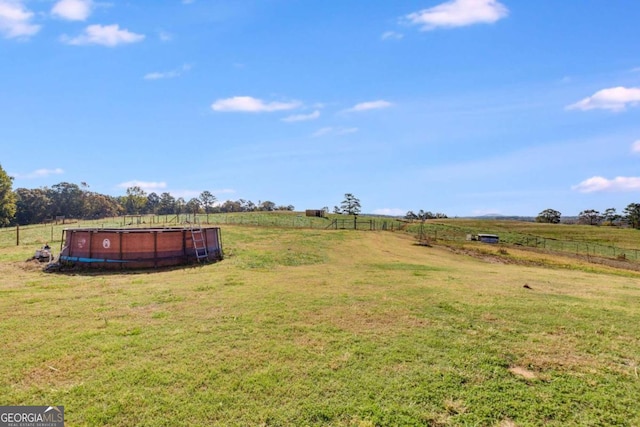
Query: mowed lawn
[[324, 328]]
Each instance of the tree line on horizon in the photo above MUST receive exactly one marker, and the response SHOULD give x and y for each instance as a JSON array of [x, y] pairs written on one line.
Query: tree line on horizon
[[630, 216], [33, 206]]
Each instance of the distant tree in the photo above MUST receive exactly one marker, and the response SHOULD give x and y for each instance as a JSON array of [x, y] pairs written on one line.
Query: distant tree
[[32, 206], [248, 205], [7, 198], [590, 217], [66, 199], [208, 200], [610, 216], [550, 216], [410, 215], [101, 206], [231, 206], [441, 215], [167, 204], [267, 206], [350, 205], [135, 200], [285, 208], [193, 206], [179, 206], [632, 214], [153, 203], [336, 210]]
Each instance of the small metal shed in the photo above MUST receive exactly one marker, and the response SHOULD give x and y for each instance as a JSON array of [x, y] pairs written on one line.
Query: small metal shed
[[488, 238]]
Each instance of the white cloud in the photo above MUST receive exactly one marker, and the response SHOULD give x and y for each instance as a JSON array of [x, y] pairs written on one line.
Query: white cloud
[[322, 131], [346, 131], [165, 36], [600, 184], [144, 185], [248, 104], [390, 212], [391, 35], [167, 74], [15, 20], [614, 99], [635, 147], [458, 13], [302, 117], [39, 173], [371, 105], [333, 131], [106, 35], [73, 10]]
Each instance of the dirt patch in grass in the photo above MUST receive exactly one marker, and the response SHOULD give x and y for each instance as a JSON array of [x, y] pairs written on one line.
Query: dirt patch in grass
[[58, 373], [519, 371], [547, 259]]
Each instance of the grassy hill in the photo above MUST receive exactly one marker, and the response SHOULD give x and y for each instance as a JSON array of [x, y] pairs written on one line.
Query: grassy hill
[[302, 326]]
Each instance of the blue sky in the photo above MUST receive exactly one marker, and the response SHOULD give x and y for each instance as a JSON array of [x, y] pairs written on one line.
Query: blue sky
[[465, 107]]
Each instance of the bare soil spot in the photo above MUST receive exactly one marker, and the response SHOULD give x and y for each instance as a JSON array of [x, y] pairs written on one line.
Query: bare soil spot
[[519, 371]]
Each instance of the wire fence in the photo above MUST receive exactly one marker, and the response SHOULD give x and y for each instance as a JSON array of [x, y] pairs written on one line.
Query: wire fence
[[444, 232], [52, 232]]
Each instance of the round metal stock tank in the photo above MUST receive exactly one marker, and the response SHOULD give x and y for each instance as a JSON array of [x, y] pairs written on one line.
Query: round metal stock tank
[[140, 247]]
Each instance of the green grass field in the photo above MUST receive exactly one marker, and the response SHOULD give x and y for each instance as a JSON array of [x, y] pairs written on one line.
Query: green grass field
[[320, 327]]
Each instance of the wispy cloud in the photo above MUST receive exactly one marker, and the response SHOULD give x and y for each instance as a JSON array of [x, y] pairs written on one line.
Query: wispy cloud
[[614, 99], [635, 147], [105, 35], [458, 13], [168, 74], [38, 173], [371, 105], [165, 36], [333, 131], [15, 20], [391, 35], [72, 10], [248, 104], [600, 184], [302, 117]]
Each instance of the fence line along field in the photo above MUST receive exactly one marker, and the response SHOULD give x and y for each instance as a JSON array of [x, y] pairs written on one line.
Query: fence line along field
[[313, 326]]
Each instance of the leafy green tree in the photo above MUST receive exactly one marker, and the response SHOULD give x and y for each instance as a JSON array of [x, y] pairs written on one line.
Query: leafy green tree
[[267, 206], [632, 214], [98, 205], [208, 200], [231, 206], [410, 215], [610, 216], [7, 199], [285, 208], [136, 200], [590, 217], [549, 216], [180, 205], [350, 205], [193, 206], [32, 206], [153, 203], [67, 199], [167, 204]]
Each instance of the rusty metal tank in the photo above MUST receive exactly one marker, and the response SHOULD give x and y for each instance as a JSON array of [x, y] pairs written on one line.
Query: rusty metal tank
[[122, 248]]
